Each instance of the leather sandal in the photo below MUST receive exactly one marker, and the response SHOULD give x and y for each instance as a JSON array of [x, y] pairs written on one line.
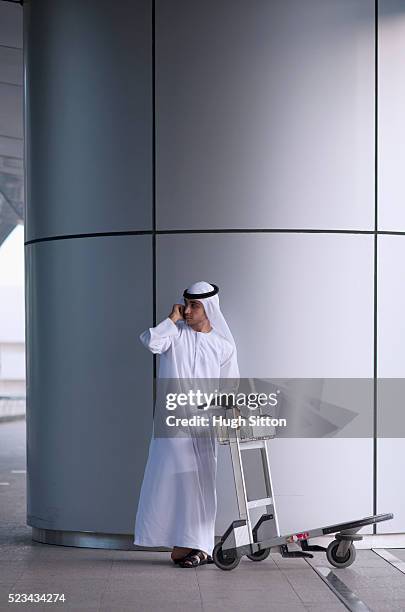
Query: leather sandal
[[195, 558], [177, 561]]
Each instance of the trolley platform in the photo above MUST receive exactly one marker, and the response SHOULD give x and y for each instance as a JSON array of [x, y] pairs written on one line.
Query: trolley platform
[[256, 542]]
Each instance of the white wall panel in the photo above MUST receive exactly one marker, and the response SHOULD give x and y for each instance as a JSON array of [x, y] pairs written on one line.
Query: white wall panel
[[299, 306], [391, 118], [265, 114], [391, 364]]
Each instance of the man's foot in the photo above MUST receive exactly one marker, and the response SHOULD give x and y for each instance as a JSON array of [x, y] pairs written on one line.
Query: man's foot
[[195, 558], [178, 553]]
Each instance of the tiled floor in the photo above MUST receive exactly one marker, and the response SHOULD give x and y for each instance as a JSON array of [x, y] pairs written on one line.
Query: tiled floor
[[94, 579]]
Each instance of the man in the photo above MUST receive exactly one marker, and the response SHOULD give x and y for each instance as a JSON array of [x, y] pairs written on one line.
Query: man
[[178, 502]]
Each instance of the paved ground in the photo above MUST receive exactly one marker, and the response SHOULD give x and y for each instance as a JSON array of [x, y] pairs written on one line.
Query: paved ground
[[94, 579]]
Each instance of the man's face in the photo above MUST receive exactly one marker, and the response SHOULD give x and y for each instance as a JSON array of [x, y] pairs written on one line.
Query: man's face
[[194, 312]]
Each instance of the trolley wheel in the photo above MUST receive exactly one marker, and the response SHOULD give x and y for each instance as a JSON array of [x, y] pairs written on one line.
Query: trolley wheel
[[228, 563], [260, 555], [338, 561]]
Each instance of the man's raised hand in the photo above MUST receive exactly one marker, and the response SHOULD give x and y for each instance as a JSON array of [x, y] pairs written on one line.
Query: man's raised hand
[[177, 312]]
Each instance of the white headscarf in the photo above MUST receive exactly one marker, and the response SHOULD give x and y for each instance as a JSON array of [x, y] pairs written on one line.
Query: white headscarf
[[212, 309]]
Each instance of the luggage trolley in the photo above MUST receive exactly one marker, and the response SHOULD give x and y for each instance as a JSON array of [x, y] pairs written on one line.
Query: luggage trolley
[[256, 542]]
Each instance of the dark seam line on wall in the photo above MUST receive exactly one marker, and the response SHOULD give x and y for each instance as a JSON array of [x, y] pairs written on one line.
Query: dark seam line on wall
[[263, 230], [95, 235], [375, 386], [153, 197], [215, 231]]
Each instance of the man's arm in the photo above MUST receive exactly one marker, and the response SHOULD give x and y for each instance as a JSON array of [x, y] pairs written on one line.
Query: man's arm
[[229, 364], [229, 371], [159, 339]]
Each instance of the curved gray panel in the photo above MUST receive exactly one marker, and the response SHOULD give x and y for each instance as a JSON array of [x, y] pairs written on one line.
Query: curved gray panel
[[391, 121], [299, 306], [391, 366], [265, 114], [89, 381], [88, 116], [295, 302]]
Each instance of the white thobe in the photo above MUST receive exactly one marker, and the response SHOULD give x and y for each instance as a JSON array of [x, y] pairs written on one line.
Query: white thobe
[[178, 501]]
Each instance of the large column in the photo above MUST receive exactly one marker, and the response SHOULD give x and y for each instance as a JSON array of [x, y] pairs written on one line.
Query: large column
[[88, 129], [265, 162], [240, 139]]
